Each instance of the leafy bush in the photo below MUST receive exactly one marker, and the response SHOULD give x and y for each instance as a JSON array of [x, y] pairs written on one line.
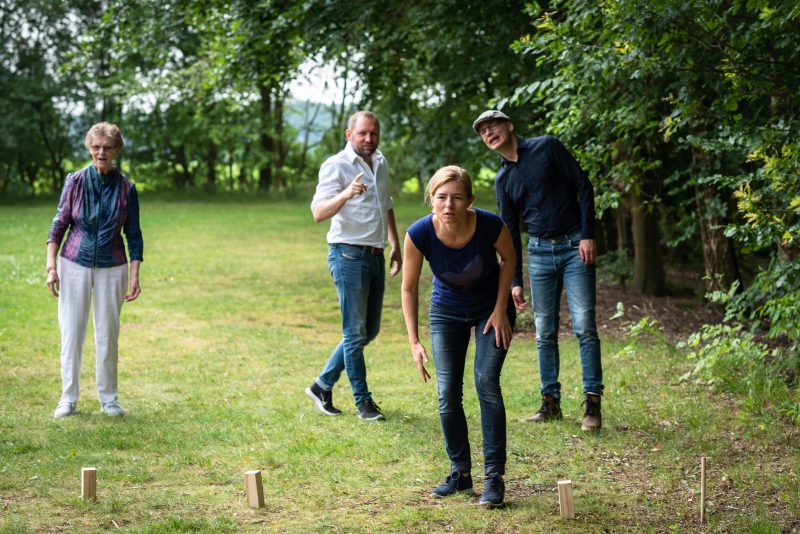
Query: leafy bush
[[731, 359], [615, 266]]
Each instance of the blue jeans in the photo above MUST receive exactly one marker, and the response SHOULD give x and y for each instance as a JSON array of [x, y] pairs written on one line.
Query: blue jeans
[[450, 334], [555, 264], [359, 277]]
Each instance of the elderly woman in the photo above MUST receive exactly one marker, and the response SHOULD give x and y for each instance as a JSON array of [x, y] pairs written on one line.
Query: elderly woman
[[97, 204], [471, 289]]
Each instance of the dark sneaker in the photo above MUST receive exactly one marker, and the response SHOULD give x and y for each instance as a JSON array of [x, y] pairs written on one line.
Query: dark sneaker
[[323, 399], [454, 483], [369, 410], [493, 491], [592, 419], [551, 409]]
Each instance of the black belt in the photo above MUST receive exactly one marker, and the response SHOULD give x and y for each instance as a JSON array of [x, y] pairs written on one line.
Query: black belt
[[372, 250]]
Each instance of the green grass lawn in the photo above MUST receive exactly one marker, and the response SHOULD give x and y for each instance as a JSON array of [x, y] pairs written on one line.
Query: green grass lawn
[[238, 314]]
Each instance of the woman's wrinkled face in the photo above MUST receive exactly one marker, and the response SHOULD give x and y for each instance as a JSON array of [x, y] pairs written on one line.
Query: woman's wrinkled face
[[450, 202], [103, 151]]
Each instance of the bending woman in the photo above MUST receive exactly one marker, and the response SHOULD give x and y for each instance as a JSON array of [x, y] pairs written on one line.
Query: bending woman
[[470, 289], [97, 204]]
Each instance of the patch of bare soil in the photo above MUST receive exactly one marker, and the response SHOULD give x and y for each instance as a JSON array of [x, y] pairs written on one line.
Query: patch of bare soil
[[677, 316]]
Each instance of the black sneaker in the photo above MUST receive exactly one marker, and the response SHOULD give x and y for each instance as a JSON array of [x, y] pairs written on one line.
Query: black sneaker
[[493, 491], [323, 399], [369, 410], [454, 483], [550, 410]]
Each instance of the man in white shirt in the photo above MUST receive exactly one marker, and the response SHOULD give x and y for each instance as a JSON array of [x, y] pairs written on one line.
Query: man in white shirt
[[353, 192]]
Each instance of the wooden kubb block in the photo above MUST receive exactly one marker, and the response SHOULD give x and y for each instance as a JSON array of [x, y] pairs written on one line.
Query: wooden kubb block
[[255, 491], [565, 499], [89, 483]]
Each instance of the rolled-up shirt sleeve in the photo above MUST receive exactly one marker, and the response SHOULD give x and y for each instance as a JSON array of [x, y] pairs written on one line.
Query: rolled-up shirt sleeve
[[330, 183], [133, 231]]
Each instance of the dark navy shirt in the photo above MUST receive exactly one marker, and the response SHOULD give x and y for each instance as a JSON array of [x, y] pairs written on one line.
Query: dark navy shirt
[[97, 209], [464, 279], [547, 191]]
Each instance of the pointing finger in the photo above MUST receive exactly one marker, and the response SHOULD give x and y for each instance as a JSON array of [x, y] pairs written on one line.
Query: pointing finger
[[358, 177]]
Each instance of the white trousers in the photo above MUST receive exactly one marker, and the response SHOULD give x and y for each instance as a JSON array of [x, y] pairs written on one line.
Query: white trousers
[[104, 289]]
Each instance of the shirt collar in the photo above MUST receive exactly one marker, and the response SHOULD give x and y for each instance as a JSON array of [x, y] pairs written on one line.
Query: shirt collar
[[522, 146], [95, 175], [352, 157]]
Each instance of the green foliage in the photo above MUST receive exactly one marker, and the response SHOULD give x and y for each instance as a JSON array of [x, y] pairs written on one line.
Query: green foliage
[[692, 106], [615, 266], [732, 360], [229, 330]]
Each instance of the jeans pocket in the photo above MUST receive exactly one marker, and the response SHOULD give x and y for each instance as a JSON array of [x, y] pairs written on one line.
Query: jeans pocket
[[347, 256]]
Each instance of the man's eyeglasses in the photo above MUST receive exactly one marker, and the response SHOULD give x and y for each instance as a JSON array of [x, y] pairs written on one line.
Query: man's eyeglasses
[[486, 126]]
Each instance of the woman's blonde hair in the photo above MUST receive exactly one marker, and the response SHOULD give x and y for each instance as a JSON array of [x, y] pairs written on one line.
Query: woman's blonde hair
[[448, 174], [106, 130]]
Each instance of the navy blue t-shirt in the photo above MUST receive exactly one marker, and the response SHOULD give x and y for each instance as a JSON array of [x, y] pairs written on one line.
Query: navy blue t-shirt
[[464, 279]]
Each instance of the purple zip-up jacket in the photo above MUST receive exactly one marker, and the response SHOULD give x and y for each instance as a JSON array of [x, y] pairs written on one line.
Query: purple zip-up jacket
[[97, 209]]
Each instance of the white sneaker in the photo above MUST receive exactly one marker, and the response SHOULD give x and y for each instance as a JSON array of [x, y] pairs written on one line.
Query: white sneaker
[[112, 409], [64, 409]]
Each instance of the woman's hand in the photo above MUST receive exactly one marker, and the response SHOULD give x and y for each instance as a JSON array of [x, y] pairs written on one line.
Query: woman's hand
[[133, 281], [133, 289], [53, 281], [502, 328], [420, 358]]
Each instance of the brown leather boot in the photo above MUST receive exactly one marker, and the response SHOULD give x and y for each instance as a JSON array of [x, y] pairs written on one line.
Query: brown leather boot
[[550, 409], [592, 419]]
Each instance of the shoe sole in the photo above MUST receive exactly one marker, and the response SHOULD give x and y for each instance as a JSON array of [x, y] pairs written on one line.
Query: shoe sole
[[590, 428], [530, 419], [464, 491], [112, 414], [63, 416], [376, 418], [491, 504], [318, 403]]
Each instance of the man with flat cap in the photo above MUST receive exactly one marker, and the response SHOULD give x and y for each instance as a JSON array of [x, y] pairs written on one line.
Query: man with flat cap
[[540, 185]]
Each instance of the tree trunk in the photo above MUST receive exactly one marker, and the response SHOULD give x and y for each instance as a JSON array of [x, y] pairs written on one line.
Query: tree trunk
[[183, 177], [280, 146], [648, 269], [266, 140], [243, 168], [211, 167], [719, 257], [310, 120]]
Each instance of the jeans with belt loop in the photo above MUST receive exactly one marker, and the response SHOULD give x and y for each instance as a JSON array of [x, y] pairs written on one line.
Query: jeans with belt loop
[[359, 276], [553, 265], [450, 335]]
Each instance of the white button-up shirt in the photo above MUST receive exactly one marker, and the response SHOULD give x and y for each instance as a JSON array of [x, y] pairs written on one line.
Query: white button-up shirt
[[363, 220]]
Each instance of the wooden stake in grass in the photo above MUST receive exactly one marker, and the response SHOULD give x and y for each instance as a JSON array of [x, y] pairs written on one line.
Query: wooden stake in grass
[[565, 499], [89, 483], [702, 489], [255, 491]]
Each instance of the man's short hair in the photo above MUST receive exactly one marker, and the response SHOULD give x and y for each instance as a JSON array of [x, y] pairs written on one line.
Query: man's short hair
[[351, 122]]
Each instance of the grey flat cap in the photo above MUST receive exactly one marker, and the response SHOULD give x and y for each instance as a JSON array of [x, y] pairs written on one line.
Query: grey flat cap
[[489, 115]]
